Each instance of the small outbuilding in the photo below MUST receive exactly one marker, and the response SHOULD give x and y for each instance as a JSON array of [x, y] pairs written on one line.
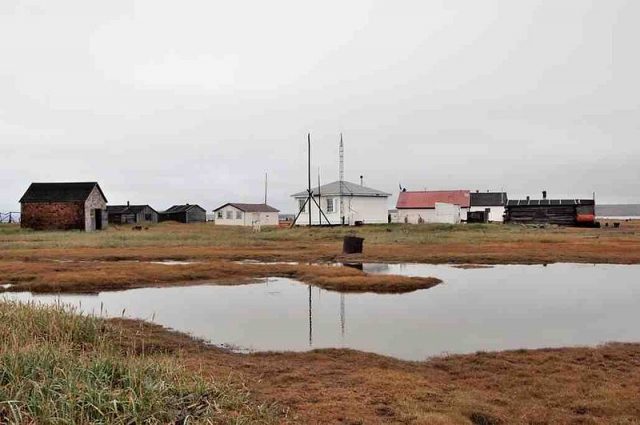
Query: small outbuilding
[[433, 206], [492, 203], [131, 214], [238, 214], [565, 212], [186, 213], [64, 206]]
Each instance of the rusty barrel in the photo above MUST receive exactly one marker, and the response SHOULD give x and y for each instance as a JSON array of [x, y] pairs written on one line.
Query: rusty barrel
[[352, 245]]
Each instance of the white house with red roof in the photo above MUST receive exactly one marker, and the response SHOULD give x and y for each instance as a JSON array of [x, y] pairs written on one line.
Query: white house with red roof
[[433, 206]]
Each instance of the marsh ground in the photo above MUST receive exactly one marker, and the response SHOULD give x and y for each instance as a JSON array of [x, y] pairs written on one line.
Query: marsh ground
[[571, 385]]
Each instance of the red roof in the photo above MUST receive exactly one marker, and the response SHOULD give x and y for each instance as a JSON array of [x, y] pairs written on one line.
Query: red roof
[[428, 199]]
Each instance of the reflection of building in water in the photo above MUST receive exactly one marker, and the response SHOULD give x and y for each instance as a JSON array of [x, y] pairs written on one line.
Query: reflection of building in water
[[375, 268]]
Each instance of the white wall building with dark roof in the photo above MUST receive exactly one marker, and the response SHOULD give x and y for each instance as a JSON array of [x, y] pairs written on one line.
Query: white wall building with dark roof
[[361, 205], [237, 214], [493, 202]]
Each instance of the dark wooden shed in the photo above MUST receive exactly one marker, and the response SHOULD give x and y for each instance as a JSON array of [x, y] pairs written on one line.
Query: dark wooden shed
[[186, 213], [131, 214], [64, 206], [565, 212]]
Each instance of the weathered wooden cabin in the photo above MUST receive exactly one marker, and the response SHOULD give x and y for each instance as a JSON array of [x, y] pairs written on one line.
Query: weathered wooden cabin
[[131, 214], [186, 213], [64, 206], [564, 212]]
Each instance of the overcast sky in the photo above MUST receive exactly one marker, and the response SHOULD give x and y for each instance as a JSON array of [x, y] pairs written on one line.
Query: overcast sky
[[166, 102]]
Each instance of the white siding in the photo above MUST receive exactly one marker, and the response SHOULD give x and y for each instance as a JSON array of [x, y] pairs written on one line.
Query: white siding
[[442, 213], [368, 209], [241, 218], [496, 214]]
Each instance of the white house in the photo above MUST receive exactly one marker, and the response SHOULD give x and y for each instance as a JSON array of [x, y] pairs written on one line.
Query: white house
[[435, 206], [235, 214], [361, 205], [492, 202]]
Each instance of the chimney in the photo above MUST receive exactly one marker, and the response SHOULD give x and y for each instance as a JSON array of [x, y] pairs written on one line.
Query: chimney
[[361, 180], [544, 194]]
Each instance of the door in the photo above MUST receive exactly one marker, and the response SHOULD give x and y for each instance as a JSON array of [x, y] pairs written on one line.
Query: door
[[98, 218]]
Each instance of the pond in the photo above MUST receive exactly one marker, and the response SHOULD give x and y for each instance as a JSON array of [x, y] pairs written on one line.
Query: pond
[[503, 307]]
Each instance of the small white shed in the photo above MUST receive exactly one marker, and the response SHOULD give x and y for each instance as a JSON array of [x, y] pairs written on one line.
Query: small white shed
[[237, 214]]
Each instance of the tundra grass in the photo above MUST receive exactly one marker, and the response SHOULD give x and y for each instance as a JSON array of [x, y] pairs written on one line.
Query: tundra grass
[[59, 367]]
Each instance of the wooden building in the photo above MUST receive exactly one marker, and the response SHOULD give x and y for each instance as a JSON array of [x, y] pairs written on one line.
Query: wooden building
[[237, 214], [64, 206], [131, 214], [564, 212], [186, 213]]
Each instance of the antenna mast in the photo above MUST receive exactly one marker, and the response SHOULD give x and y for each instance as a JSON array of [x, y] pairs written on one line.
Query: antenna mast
[[341, 179], [266, 177]]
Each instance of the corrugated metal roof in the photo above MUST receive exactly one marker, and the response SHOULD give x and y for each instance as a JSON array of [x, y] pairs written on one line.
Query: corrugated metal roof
[[428, 199], [60, 192], [123, 209], [348, 189], [488, 199], [250, 207], [182, 208], [544, 202]]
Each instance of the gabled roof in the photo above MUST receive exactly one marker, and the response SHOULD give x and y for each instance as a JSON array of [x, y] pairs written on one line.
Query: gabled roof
[[488, 199], [348, 189], [428, 198], [181, 208], [124, 209], [546, 202], [60, 192], [250, 207]]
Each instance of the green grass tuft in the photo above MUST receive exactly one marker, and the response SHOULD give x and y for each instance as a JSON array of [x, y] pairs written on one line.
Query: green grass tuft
[[58, 367]]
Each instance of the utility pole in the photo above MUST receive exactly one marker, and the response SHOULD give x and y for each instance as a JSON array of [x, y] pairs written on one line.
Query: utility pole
[[341, 179]]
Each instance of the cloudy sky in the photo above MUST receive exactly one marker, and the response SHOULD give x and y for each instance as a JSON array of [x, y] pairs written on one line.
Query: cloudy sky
[[167, 102]]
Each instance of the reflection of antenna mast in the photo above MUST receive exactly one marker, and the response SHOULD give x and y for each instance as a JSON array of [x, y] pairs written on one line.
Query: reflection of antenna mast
[[341, 180], [310, 321], [342, 318]]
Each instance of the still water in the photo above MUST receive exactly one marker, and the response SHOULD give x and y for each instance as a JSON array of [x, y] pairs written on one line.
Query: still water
[[503, 307]]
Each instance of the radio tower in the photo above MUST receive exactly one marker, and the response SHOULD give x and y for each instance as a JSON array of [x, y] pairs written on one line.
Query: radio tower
[[341, 179]]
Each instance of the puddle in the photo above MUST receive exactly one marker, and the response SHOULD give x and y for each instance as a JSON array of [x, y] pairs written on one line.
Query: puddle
[[174, 262], [504, 307]]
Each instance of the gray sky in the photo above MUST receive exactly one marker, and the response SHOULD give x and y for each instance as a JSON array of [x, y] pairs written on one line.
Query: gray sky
[[169, 102]]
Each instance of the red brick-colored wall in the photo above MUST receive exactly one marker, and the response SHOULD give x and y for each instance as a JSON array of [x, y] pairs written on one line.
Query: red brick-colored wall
[[53, 215]]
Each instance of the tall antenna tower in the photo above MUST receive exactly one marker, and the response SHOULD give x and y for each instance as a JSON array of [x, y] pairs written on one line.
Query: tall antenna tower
[[341, 179]]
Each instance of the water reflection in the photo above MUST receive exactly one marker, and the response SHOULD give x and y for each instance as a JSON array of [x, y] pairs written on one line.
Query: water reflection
[[504, 307]]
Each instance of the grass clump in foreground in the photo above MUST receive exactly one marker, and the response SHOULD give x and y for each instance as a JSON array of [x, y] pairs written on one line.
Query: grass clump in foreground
[[60, 367]]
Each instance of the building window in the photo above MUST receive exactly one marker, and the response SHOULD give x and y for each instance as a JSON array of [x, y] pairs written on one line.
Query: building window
[[229, 215], [302, 205], [330, 207], [148, 217], [220, 215], [238, 215]]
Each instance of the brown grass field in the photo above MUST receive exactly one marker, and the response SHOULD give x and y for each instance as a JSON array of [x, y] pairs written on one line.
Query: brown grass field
[[589, 385]]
